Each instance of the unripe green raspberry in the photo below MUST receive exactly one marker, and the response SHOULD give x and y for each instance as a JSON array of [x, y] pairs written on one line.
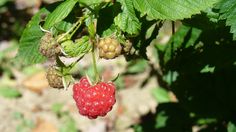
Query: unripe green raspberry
[[48, 46], [54, 78]]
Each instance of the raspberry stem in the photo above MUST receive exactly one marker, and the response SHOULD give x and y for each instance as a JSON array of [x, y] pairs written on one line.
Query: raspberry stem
[[97, 79], [77, 26], [73, 29]]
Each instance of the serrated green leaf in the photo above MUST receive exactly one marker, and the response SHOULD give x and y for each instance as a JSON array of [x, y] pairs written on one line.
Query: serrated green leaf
[[81, 46], [171, 9], [109, 31], [228, 12], [127, 20], [161, 95], [28, 52], [8, 92], [60, 13]]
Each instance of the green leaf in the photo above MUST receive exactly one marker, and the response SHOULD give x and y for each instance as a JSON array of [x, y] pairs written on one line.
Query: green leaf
[[204, 121], [68, 125], [63, 26], [228, 12], [28, 52], [161, 120], [119, 82], [161, 95], [172, 9], [3, 2], [105, 23], [137, 66], [208, 69], [170, 77], [111, 30], [127, 20], [57, 108], [80, 47], [60, 13], [90, 2], [9, 92], [184, 37], [231, 127]]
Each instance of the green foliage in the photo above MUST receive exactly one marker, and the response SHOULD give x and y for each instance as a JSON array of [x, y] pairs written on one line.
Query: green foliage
[[24, 125], [60, 13], [63, 26], [119, 82], [3, 2], [204, 75], [28, 52], [231, 127], [105, 24], [127, 20], [137, 66], [9, 92], [184, 37], [90, 2], [161, 95], [57, 108], [172, 9], [228, 12], [78, 48], [68, 125]]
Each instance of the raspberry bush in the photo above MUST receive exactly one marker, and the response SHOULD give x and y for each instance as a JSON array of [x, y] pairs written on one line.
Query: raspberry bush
[[196, 60]]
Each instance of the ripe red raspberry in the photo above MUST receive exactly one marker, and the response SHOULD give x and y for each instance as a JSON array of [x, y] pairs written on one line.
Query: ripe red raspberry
[[94, 101]]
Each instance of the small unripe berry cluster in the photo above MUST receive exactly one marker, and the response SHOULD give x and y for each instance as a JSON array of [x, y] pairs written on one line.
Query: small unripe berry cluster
[[48, 46], [109, 48], [54, 79]]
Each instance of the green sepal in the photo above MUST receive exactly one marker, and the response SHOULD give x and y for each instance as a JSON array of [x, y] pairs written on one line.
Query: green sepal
[[80, 47]]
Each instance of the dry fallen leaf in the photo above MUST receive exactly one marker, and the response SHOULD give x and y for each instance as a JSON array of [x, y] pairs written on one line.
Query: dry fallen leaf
[[36, 82], [44, 126]]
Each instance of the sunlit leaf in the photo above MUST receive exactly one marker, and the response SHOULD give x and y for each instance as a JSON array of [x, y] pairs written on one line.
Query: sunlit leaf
[[172, 9]]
